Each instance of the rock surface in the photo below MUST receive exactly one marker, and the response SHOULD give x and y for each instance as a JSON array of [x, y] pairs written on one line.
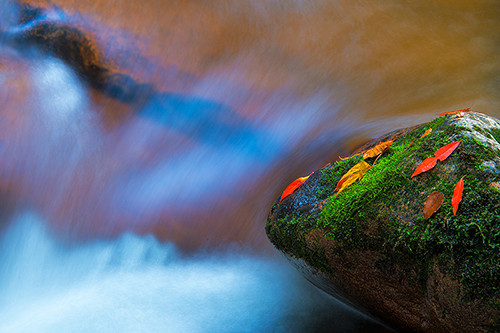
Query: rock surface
[[371, 246]]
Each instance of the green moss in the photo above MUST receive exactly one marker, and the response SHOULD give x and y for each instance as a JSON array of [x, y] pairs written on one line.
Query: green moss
[[289, 233], [495, 134], [387, 199]]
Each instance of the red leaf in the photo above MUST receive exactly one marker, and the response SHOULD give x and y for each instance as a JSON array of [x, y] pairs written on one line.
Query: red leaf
[[445, 151], [453, 112], [426, 165], [457, 195], [293, 186]]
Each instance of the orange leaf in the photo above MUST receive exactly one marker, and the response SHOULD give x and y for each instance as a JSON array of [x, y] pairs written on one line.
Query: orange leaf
[[457, 195], [456, 111], [353, 174], [293, 186], [426, 133], [339, 184], [426, 165], [432, 203], [377, 150], [348, 157], [445, 151]]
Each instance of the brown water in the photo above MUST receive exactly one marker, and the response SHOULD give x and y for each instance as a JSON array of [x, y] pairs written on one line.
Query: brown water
[[309, 80], [317, 77]]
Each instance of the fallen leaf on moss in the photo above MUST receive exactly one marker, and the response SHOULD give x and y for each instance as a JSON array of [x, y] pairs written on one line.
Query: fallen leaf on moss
[[378, 149], [457, 195], [445, 151], [372, 152], [456, 111], [426, 133], [348, 157], [293, 186], [344, 183], [432, 203], [355, 173], [426, 165], [440, 154]]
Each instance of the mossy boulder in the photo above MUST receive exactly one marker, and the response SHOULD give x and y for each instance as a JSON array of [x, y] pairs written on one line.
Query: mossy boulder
[[370, 245]]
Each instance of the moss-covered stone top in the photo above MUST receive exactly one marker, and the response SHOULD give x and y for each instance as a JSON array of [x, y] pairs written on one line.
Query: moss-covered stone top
[[383, 211]]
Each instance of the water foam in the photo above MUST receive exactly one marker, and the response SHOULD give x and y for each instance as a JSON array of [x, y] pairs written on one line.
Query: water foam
[[136, 284]]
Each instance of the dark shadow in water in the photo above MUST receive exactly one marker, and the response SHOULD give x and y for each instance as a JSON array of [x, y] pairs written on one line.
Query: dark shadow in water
[[203, 120], [331, 316], [47, 31], [210, 123]]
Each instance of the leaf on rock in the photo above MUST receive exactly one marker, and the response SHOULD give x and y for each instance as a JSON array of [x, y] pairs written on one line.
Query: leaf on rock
[[355, 173], [348, 157], [378, 149], [339, 184], [426, 133], [432, 203], [456, 111], [293, 186], [457, 195], [360, 167], [440, 154], [445, 151], [426, 165]]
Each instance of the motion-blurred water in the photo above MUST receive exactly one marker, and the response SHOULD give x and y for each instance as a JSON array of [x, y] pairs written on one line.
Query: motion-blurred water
[[150, 217], [136, 284]]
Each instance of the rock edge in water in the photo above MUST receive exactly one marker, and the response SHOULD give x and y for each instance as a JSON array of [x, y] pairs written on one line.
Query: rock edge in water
[[371, 246]]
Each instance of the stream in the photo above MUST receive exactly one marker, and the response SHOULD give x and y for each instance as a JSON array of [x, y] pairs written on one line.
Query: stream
[[145, 212]]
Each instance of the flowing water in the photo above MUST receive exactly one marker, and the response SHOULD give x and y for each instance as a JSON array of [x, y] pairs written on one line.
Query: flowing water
[[123, 217]]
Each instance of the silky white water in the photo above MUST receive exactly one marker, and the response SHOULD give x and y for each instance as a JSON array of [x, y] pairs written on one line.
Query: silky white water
[[136, 284]]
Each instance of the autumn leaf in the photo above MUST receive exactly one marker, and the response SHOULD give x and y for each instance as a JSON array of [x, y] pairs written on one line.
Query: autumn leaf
[[372, 152], [348, 157], [440, 154], [426, 165], [293, 186], [378, 149], [426, 133], [349, 181], [457, 195], [339, 184], [361, 166], [432, 203], [445, 151], [353, 174], [456, 111]]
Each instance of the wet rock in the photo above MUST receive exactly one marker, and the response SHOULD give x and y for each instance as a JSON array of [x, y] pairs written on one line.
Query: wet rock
[[46, 30], [371, 246]]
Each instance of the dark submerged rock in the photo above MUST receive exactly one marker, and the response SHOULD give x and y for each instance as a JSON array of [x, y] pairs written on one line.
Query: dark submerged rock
[[371, 246], [39, 28]]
